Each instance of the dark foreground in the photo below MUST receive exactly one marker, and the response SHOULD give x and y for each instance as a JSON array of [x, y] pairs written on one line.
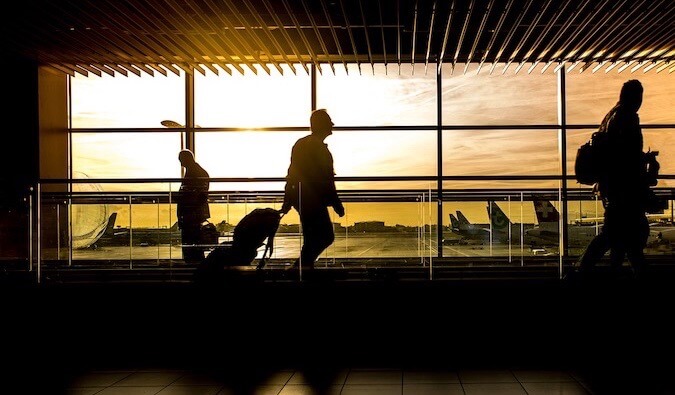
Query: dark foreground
[[608, 328]]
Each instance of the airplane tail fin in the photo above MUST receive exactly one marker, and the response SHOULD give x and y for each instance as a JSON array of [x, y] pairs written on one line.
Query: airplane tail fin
[[454, 222], [461, 219], [498, 218], [545, 211], [110, 227], [174, 227]]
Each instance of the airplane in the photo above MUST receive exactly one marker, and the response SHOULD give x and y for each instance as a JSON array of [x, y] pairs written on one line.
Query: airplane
[[547, 231], [142, 237], [466, 231], [501, 225]]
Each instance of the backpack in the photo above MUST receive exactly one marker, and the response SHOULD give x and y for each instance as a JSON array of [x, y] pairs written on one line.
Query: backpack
[[590, 162]]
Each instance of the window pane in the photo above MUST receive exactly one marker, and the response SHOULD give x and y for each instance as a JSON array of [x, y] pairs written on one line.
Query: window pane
[[139, 102], [245, 154], [251, 100], [384, 153], [591, 95], [377, 98], [355, 153], [126, 155], [498, 99], [500, 152]]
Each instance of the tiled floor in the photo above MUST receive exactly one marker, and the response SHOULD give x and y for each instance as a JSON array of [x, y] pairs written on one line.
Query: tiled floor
[[345, 382]]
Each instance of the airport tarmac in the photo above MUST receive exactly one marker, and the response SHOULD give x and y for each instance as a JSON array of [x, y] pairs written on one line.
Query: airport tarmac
[[287, 246]]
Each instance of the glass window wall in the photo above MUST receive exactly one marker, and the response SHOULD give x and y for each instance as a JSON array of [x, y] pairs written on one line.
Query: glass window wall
[[386, 126]]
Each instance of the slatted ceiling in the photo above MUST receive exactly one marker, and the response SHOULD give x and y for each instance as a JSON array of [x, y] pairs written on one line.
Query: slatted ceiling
[[429, 35], [333, 32], [365, 32], [157, 37], [446, 34], [208, 45], [269, 36]]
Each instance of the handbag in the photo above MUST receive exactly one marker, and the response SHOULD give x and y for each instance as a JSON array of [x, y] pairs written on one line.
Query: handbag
[[208, 234]]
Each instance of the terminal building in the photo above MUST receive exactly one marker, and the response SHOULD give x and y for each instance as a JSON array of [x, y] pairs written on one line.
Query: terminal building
[[456, 127]]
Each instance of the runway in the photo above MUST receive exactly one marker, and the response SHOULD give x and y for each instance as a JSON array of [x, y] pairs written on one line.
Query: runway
[[287, 246]]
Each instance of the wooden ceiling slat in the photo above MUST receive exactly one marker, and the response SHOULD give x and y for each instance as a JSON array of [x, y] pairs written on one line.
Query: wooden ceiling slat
[[351, 35], [398, 34], [62, 68], [476, 40], [126, 44], [601, 26], [287, 37], [209, 46], [652, 56], [654, 42], [176, 41], [87, 44], [652, 65], [303, 38], [118, 69], [559, 54], [446, 36], [384, 41], [431, 30], [626, 45], [158, 68], [587, 52], [465, 26], [318, 35], [133, 24], [90, 69], [105, 69], [547, 29], [50, 34], [663, 67], [530, 28], [497, 31], [591, 52], [77, 69], [625, 66], [270, 36], [218, 31], [333, 32], [509, 36], [157, 39], [561, 32], [261, 45], [130, 67], [638, 66], [414, 38], [365, 30], [154, 36]]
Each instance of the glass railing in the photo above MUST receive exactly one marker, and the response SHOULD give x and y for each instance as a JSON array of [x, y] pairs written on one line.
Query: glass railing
[[97, 225]]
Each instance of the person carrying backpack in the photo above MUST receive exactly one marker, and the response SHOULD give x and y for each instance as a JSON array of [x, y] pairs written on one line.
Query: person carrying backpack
[[623, 186], [310, 189]]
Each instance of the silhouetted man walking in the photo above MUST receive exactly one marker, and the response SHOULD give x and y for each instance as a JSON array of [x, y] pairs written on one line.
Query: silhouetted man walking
[[310, 188], [192, 206], [623, 188]]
